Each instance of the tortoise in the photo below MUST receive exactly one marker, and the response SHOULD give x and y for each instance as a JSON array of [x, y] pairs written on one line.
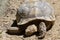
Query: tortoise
[[37, 12]]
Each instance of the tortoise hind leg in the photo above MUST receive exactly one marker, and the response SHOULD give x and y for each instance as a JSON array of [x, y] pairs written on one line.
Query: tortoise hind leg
[[49, 25], [42, 30]]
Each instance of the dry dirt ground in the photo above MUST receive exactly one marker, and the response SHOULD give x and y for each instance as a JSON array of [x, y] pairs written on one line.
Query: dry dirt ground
[[7, 20]]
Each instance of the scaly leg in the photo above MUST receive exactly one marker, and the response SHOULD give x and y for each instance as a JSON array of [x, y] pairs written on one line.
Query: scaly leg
[[42, 30]]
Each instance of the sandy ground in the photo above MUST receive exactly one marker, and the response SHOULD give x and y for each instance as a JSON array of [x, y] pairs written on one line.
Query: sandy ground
[[53, 34]]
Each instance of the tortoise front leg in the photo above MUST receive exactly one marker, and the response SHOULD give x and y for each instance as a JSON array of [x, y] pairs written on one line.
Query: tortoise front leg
[[42, 30]]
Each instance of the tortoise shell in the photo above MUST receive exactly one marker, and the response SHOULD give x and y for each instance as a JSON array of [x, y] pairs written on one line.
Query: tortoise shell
[[32, 10]]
